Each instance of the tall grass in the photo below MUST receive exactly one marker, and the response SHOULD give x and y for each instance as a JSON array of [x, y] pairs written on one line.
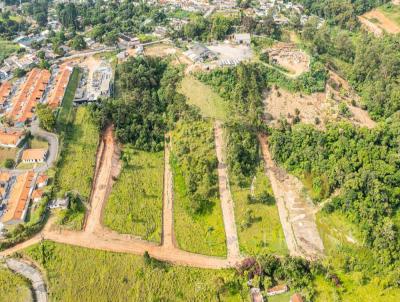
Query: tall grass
[[13, 287], [80, 274], [135, 203]]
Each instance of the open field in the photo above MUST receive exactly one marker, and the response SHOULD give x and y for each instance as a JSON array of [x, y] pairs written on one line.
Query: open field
[[6, 49], [7, 153], [13, 287], [135, 203], [198, 219], [80, 274], [265, 234], [203, 97]]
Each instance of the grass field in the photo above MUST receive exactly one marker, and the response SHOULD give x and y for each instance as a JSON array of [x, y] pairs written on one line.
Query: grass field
[[7, 153], [200, 95], [77, 162], [196, 232], [265, 234], [7, 48], [13, 287], [391, 11], [79, 274], [135, 203]]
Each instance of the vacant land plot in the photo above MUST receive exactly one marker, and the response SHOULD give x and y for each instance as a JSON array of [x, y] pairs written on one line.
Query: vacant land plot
[[203, 97], [135, 204], [7, 48], [232, 52], [263, 233], [7, 153], [13, 287], [80, 274], [198, 219], [385, 19]]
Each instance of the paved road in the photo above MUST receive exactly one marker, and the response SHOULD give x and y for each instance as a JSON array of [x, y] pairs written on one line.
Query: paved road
[[227, 205], [32, 274]]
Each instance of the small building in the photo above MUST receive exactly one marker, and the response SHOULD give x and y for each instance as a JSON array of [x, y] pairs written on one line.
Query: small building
[[42, 181], [296, 298], [37, 195], [11, 138], [277, 290], [242, 38], [59, 203], [34, 155], [199, 53]]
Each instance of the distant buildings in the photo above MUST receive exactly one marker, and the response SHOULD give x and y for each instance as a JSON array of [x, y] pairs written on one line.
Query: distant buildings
[[276, 290], [199, 53], [242, 38]]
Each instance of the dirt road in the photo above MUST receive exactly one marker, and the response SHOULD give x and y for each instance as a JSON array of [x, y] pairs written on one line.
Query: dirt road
[[95, 236], [296, 212], [168, 238], [225, 196]]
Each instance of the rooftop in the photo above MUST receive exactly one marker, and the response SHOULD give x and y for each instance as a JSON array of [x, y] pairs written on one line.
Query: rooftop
[[11, 137], [34, 154]]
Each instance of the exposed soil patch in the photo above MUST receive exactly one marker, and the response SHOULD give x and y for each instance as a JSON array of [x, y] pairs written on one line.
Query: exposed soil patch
[[290, 57], [376, 22]]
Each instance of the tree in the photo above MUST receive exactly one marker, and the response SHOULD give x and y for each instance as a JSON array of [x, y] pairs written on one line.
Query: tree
[[9, 163], [46, 117], [78, 43]]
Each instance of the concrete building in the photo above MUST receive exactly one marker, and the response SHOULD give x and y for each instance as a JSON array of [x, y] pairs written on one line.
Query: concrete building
[[199, 53], [242, 38]]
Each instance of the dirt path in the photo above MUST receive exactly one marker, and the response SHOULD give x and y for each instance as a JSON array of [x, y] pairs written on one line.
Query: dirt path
[[376, 22], [168, 238], [95, 236], [225, 196], [296, 212]]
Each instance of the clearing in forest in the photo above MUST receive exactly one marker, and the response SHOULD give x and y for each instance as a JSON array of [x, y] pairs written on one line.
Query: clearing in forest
[[203, 97], [289, 57]]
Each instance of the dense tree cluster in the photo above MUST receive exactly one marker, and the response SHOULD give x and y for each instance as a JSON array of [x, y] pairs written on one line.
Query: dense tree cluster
[[371, 64], [38, 10], [194, 150], [147, 103], [340, 12], [9, 28], [363, 163]]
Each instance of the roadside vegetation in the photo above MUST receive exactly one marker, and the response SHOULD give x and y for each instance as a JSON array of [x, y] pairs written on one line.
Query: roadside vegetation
[[6, 49], [135, 203], [77, 162], [81, 275], [13, 287], [197, 212]]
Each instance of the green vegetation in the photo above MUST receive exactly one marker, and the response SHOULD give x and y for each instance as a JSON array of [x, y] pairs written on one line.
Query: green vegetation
[[363, 163], [46, 117], [6, 155], [7, 48], [258, 224], [200, 95], [135, 203], [81, 274], [391, 11], [197, 212], [77, 161], [65, 114], [13, 287]]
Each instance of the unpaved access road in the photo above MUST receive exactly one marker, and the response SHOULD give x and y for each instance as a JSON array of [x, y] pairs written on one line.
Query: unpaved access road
[[227, 205], [96, 236], [296, 212]]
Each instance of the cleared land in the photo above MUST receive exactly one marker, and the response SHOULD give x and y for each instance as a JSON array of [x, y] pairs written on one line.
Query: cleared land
[[7, 153], [90, 275], [289, 57], [378, 21], [13, 287], [265, 234], [200, 95], [135, 204], [391, 11]]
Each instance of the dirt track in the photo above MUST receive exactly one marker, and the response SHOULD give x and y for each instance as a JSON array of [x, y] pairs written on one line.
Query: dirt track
[[382, 23], [296, 212], [225, 196], [95, 236]]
